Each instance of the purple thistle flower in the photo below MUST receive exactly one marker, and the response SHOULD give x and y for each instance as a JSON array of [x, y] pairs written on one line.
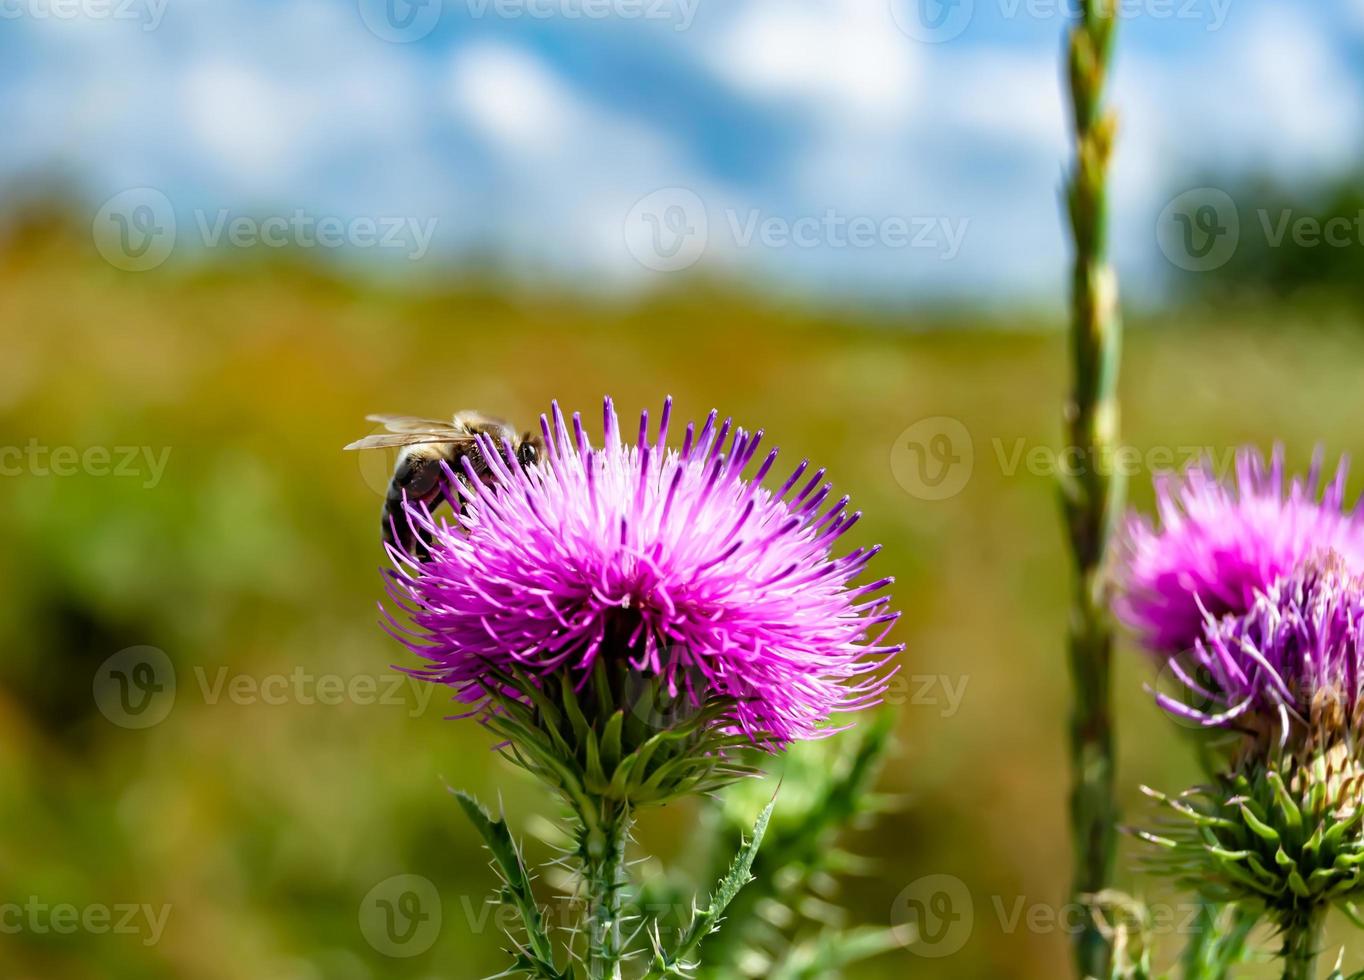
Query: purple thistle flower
[[1293, 659], [669, 562], [1218, 546]]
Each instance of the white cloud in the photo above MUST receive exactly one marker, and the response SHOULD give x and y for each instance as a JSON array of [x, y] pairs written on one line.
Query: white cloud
[[1301, 102], [1274, 95], [842, 58], [569, 168], [314, 90], [243, 120], [511, 98], [999, 95]]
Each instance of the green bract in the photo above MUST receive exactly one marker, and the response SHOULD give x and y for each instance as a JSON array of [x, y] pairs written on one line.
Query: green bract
[[1285, 835], [621, 738]]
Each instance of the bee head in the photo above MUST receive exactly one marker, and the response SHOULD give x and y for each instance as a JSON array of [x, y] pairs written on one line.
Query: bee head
[[528, 451]]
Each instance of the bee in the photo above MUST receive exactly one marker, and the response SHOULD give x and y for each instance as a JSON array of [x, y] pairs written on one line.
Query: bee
[[423, 444]]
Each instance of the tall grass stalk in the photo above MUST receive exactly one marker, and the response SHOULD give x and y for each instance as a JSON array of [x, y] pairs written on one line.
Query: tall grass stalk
[[1093, 495]]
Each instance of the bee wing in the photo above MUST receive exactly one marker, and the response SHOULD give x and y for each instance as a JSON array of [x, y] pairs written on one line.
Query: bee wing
[[410, 423], [478, 421], [390, 440]]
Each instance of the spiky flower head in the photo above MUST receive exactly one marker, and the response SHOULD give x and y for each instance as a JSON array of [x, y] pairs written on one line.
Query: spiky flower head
[[1282, 828], [614, 595], [1218, 544]]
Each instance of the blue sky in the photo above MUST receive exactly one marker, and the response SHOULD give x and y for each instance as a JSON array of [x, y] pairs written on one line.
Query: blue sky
[[873, 148]]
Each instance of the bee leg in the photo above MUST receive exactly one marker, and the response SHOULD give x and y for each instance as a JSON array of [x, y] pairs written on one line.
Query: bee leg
[[422, 481]]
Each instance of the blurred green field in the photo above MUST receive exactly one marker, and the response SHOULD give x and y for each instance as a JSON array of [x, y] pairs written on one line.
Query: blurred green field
[[264, 817]]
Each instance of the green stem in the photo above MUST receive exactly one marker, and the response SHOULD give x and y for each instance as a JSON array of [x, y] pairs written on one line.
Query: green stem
[[1219, 942], [602, 852], [1302, 941], [1094, 493]]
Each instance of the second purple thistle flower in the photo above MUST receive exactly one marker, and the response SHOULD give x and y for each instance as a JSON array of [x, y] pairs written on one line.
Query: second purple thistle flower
[[1218, 545]]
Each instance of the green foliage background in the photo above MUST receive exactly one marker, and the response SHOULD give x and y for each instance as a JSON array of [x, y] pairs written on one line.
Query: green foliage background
[[264, 825]]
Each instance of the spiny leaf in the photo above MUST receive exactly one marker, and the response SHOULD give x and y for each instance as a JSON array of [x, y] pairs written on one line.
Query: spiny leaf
[[538, 959], [676, 962]]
